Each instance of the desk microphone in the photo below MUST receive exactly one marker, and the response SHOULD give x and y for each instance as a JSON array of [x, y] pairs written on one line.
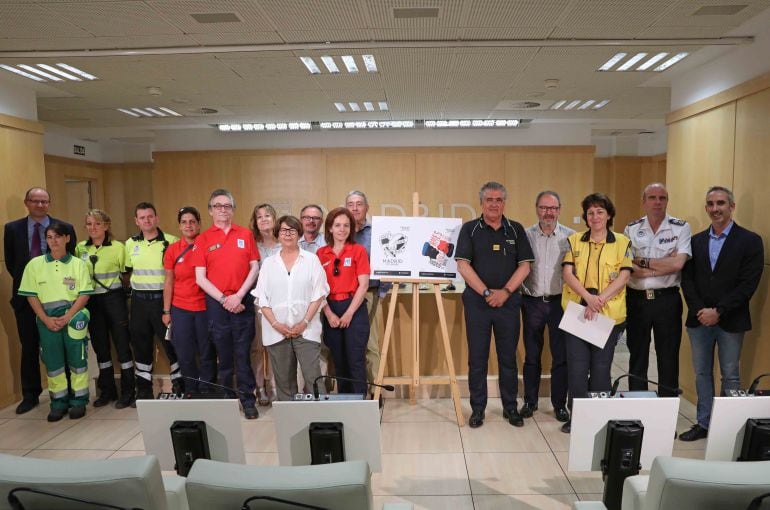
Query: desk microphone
[[753, 388], [675, 391], [229, 389], [13, 499], [317, 394], [245, 505]]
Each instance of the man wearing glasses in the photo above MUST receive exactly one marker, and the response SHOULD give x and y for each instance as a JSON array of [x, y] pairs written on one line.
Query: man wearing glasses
[[23, 240], [541, 306], [226, 264], [311, 217]]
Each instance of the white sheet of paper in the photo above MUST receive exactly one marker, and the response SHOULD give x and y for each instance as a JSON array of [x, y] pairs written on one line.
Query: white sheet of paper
[[596, 331]]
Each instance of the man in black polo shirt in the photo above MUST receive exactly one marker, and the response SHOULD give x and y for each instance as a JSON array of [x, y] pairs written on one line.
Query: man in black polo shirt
[[493, 256]]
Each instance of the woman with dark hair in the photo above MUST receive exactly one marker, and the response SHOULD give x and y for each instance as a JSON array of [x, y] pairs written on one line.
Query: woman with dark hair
[[57, 286], [346, 328], [262, 226], [184, 306], [106, 261], [289, 293], [596, 269]]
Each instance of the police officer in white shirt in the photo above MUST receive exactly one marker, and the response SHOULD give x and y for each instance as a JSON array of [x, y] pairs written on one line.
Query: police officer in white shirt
[[661, 246]]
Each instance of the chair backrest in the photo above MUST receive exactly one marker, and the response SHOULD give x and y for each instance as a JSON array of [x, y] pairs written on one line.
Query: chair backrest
[[130, 482], [690, 484], [213, 485]]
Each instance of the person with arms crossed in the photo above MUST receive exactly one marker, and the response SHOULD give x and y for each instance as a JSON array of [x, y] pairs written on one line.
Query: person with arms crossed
[[660, 245], [493, 257], [718, 283], [542, 306], [23, 240]]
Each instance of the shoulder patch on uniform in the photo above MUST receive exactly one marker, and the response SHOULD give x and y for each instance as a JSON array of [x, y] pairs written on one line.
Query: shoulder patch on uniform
[[677, 221], [636, 222]]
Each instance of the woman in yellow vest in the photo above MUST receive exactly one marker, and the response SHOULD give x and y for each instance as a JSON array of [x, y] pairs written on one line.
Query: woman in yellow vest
[[57, 286], [595, 269]]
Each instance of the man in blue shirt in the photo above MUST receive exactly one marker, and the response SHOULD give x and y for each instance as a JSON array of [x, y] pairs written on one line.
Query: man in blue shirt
[[718, 283]]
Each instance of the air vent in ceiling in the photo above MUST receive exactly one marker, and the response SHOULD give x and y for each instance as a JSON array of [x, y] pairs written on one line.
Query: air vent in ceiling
[[216, 17], [719, 10], [415, 12], [523, 104], [204, 111]]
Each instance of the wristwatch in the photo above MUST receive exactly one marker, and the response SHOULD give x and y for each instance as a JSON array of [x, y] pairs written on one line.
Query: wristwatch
[[486, 293]]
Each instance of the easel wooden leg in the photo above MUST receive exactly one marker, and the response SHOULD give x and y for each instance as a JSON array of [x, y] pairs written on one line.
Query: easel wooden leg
[[449, 358], [386, 340], [415, 343]]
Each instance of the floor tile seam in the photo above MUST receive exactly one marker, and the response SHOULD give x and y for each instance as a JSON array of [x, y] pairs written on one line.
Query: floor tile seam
[[556, 458]]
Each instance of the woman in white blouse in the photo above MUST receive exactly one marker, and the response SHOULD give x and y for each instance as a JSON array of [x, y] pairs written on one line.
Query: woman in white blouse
[[290, 290]]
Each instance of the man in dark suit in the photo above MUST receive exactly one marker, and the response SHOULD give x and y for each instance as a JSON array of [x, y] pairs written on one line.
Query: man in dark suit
[[23, 240], [718, 283]]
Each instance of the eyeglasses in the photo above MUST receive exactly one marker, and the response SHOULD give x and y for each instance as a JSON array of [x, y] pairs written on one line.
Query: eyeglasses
[[311, 218], [39, 202], [336, 271], [288, 231], [222, 207], [545, 208]]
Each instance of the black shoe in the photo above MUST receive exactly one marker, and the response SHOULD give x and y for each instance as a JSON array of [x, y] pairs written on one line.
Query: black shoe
[[27, 404], [476, 420], [561, 414], [104, 399], [567, 427], [527, 410], [513, 417], [56, 414], [177, 387], [250, 412], [696, 432], [125, 400], [77, 412]]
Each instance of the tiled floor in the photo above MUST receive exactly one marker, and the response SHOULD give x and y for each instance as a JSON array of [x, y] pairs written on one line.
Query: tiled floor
[[427, 459]]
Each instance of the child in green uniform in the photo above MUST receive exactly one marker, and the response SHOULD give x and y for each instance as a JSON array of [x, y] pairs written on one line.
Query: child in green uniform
[[57, 286]]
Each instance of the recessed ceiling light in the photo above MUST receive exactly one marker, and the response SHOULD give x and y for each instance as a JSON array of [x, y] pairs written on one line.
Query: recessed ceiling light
[[368, 106], [20, 72], [383, 106], [46, 72], [600, 104], [369, 63], [340, 107], [128, 112], [354, 107], [40, 72], [612, 61], [311, 65], [170, 111], [77, 71], [142, 112], [631, 61], [59, 72], [587, 104], [350, 63], [673, 60], [157, 112], [558, 104], [652, 61], [149, 111], [330, 64], [573, 104], [472, 123]]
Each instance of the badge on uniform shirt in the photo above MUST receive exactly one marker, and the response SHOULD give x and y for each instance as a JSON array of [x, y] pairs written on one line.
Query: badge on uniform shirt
[[495, 247], [136, 249], [84, 256], [348, 262], [613, 276], [241, 243], [641, 233], [69, 282], [215, 247]]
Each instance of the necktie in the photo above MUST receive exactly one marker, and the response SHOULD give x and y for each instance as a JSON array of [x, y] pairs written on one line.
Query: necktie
[[35, 249]]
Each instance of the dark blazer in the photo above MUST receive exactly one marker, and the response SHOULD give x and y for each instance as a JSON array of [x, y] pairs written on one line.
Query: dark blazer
[[729, 287], [16, 247]]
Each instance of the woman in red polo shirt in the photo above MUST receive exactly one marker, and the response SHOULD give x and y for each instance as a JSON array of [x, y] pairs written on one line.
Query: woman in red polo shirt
[[184, 306], [346, 324]]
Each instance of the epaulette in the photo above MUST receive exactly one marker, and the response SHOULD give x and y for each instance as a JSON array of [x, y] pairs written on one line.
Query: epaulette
[[677, 222], [636, 222]]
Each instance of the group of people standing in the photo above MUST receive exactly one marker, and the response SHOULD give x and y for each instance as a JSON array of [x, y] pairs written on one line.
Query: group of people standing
[[201, 293], [634, 278]]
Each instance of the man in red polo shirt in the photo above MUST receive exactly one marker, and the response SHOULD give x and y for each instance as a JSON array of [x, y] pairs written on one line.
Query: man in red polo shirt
[[226, 266]]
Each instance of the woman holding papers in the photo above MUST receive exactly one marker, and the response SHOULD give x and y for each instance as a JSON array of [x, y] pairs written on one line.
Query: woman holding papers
[[595, 269]]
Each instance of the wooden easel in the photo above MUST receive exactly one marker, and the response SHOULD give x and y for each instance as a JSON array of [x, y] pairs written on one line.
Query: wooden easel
[[415, 379]]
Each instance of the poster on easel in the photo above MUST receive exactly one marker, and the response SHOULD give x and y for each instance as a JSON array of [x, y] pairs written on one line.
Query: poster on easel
[[414, 247]]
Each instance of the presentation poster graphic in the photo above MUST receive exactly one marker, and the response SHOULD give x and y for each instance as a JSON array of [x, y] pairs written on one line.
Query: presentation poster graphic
[[414, 247]]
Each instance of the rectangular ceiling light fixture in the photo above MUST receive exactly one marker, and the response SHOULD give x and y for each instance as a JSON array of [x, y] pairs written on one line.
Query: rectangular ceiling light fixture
[[383, 105], [573, 104], [350, 64], [331, 65], [311, 65], [340, 107], [368, 106], [472, 123], [590, 103], [47, 72], [368, 124], [265, 126], [369, 63], [631, 63], [354, 106], [150, 111], [600, 104]]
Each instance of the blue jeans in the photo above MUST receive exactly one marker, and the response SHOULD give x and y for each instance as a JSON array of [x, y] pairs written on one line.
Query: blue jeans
[[703, 339]]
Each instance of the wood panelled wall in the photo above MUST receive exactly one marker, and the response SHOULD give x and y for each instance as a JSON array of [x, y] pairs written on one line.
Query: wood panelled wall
[[623, 178], [726, 142], [21, 168]]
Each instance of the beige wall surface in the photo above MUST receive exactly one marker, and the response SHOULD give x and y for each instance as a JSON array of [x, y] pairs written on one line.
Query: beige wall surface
[[725, 144]]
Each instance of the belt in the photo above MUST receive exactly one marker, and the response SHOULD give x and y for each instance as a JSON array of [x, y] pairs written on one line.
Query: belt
[[339, 296], [545, 299], [651, 294], [148, 295]]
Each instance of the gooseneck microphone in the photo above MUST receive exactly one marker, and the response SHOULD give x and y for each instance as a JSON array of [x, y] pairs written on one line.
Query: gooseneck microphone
[[15, 503], [317, 394], [675, 391], [279, 500], [215, 385], [755, 383]]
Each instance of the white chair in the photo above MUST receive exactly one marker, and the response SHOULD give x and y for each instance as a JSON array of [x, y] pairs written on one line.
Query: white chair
[[688, 484], [130, 482]]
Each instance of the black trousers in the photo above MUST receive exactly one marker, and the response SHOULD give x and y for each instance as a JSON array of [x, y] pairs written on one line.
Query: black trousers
[[109, 318], [480, 321], [537, 315], [145, 324], [663, 316], [31, 386], [588, 366]]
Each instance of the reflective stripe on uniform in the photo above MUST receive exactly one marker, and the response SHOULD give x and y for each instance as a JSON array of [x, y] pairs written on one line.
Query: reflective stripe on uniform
[[127, 365], [147, 286], [105, 365], [150, 272], [144, 375], [174, 367], [52, 305], [143, 367]]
